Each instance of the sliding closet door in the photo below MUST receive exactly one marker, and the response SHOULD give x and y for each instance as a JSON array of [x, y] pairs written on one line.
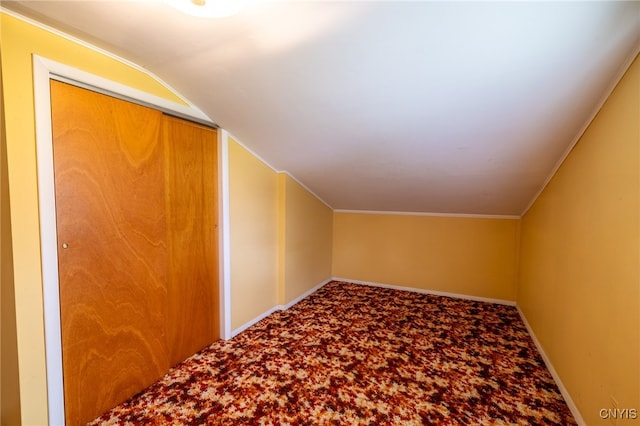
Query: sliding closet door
[[111, 224], [136, 213], [191, 186]]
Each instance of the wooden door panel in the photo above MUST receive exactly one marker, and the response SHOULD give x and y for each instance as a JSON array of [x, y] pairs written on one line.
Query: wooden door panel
[[191, 191], [110, 209]]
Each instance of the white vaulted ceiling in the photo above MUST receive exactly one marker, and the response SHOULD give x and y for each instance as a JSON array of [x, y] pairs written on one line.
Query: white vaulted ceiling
[[440, 107]]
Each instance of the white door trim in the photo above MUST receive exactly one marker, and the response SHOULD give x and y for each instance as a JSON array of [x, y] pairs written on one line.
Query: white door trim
[[43, 71], [224, 236]]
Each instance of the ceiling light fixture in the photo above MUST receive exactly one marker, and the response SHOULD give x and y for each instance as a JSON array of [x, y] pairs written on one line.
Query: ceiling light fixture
[[207, 8]]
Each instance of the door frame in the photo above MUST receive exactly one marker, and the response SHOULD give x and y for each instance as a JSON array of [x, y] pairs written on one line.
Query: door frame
[[44, 70]]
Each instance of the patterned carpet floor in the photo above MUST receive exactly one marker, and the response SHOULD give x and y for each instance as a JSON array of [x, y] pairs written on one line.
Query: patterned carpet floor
[[358, 355]]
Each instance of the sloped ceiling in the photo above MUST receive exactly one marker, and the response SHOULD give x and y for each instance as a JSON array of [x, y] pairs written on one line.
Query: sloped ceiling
[[437, 107]]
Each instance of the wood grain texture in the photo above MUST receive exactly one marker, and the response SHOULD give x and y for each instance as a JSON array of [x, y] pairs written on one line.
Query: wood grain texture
[[110, 208], [191, 194], [136, 209]]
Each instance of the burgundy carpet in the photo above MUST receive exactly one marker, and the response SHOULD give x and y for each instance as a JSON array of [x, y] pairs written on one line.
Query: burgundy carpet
[[359, 355]]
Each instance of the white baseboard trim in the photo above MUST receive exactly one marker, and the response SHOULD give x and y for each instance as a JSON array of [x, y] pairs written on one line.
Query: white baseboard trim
[[306, 294], [554, 374], [276, 308], [255, 320], [433, 292]]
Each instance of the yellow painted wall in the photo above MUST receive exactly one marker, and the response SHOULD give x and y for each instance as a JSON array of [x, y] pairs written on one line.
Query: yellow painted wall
[[281, 237], [469, 256], [579, 277], [307, 240], [18, 41], [9, 381], [253, 210]]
